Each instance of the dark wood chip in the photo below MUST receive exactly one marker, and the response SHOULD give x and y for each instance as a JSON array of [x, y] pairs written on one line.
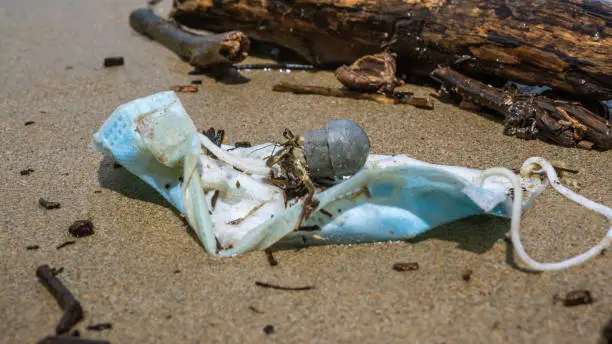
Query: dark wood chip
[[268, 329], [606, 333], [29, 123], [26, 172], [575, 298], [242, 144], [113, 61], [309, 228], [81, 228], [48, 204], [467, 275], [406, 266], [213, 200], [325, 212], [100, 327], [32, 247]]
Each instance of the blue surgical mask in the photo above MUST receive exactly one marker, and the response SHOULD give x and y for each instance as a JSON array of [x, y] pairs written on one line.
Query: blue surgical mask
[[230, 204]]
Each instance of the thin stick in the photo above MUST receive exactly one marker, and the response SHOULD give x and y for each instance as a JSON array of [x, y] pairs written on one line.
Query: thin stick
[[271, 260], [201, 51], [396, 98], [71, 340], [73, 312], [279, 287], [270, 66]]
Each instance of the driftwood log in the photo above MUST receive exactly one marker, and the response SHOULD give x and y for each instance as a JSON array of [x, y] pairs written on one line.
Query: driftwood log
[[531, 116], [565, 44], [201, 51]]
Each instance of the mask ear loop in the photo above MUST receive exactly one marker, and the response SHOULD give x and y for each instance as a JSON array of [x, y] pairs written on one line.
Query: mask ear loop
[[517, 209]]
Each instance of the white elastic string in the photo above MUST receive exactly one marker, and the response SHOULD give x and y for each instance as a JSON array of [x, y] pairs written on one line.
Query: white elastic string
[[516, 214]]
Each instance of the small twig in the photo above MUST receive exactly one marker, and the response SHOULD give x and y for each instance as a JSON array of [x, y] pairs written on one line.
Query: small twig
[[325, 212], [564, 169], [239, 220], [308, 228], [392, 98], [406, 266], [255, 310], [73, 312], [100, 327], [270, 66], [271, 260], [274, 286], [308, 206], [213, 200], [71, 340], [64, 244]]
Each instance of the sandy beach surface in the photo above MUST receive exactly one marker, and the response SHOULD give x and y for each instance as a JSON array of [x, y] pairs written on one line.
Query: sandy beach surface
[[143, 272]]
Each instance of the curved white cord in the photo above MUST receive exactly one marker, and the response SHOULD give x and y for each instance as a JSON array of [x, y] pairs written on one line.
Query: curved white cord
[[556, 184]]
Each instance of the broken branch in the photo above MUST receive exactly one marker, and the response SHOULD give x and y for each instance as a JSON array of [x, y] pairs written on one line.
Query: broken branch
[[279, 287], [394, 98], [201, 51], [529, 116], [73, 312]]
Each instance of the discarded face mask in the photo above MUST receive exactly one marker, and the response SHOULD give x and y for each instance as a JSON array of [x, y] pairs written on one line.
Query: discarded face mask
[[235, 199]]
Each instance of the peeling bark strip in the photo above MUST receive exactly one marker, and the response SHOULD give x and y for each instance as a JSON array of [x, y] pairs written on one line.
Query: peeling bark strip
[[565, 44]]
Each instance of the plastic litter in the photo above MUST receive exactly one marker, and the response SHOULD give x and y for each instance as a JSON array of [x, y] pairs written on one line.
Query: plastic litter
[[391, 198]]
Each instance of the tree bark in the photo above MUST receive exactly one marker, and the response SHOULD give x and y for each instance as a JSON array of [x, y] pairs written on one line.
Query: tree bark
[[528, 116], [565, 44]]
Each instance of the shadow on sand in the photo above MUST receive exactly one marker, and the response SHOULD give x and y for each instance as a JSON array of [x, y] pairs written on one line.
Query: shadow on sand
[[116, 178]]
